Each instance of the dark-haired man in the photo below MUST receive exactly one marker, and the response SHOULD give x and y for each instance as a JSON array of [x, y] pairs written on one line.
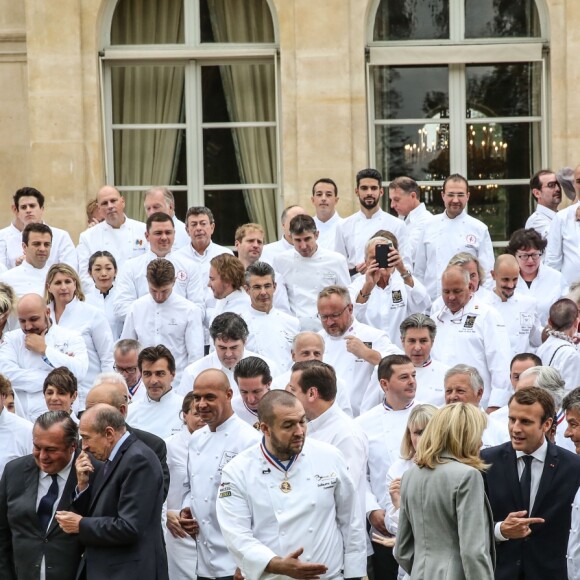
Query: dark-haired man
[[253, 376], [324, 199], [547, 191]]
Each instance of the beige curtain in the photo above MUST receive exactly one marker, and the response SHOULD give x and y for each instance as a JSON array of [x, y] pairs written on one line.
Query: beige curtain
[[250, 96], [146, 94]]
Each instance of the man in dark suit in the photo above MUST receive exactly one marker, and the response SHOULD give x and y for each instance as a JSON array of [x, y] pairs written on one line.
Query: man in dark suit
[[120, 521], [30, 490], [529, 476], [111, 389]]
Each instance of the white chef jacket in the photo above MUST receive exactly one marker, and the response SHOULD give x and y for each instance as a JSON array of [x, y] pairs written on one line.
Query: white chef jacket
[[415, 221], [16, 437], [96, 332], [125, 242], [563, 356], [356, 372], [177, 323], [181, 236], [244, 412], [327, 231], [355, 231], [476, 336], [441, 239], [26, 279], [62, 249], [260, 522], [541, 220], [547, 287], [211, 361], [27, 369], [272, 334], [522, 323], [105, 304], [181, 552], [482, 294], [573, 552], [158, 417], [563, 249], [342, 392], [237, 302], [304, 278], [208, 454], [385, 429], [270, 251], [396, 471], [203, 260], [132, 282], [387, 307], [495, 433]]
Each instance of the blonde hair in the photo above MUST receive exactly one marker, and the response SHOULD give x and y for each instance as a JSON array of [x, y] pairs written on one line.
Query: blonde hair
[[65, 270], [418, 419], [455, 430], [7, 298]]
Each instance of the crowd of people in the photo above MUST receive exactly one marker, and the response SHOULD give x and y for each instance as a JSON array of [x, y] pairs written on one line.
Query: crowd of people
[[371, 396]]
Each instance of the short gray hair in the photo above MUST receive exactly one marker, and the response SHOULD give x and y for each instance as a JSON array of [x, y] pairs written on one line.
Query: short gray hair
[[418, 320], [550, 380], [475, 379]]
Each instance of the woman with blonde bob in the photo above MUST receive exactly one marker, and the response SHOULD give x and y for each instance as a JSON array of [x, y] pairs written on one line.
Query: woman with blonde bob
[[68, 309], [445, 521]]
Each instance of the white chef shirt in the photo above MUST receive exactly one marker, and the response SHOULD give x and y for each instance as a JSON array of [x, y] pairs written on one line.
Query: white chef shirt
[[431, 382], [26, 279], [541, 220], [304, 278], [244, 412], [573, 552], [125, 242], [563, 250], [396, 471], [62, 249], [441, 239], [181, 236], [260, 522], [327, 231], [158, 417], [476, 336], [237, 302], [415, 221], [355, 231], [356, 372], [272, 334], [105, 304], [176, 323], [208, 454], [495, 433], [387, 307], [563, 356], [270, 251], [16, 437]]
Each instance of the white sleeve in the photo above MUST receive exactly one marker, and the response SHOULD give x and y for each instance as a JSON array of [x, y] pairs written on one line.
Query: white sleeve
[[83, 255], [67, 252], [485, 256], [77, 360], [103, 341], [573, 555], [26, 380], [126, 292], [391, 513], [129, 326], [187, 379], [553, 255], [194, 341], [418, 299], [420, 260], [497, 349]]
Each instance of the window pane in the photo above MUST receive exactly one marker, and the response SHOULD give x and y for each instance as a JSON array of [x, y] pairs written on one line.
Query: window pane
[[148, 156], [148, 94], [241, 155], [411, 92], [501, 19], [238, 92], [230, 211], [504, 90], [148, 22], [236, 21], [502, 150], [421, 151], [412, 20]]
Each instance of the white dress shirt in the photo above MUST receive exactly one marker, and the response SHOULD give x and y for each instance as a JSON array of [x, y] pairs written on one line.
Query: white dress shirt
[[327, 231], [271, 334], [563, 250], [443, 238], [304, 278], [259, 521], [355, 231], [16, 437], [62, 249], [26, 279], [414, 223], [177, 323], [125, 242], [27, 369], [209, 452], [573, 553], [563, 356], [158, 417], [476, 336], [541, 220]]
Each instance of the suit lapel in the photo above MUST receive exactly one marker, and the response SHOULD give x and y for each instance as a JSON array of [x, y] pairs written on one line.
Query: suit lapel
[[550, 468], [512, 476], [31, 474]]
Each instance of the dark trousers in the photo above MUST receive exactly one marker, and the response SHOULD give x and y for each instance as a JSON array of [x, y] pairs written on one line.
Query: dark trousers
[[385, 566]]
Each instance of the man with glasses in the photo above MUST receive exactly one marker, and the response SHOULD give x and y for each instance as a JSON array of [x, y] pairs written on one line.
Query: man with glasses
[[449, 233], [126, 355], [548, 193]]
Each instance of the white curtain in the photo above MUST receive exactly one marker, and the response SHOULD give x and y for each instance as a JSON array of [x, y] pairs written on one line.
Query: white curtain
[[147, 94], [250, 96]]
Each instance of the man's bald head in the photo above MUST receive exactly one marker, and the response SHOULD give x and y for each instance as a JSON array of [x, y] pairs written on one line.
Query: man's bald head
[[33, 314], [506, 260], [109, 393], [455, 289], [212, 397], [31, 301], [212, 378], [506, 273]]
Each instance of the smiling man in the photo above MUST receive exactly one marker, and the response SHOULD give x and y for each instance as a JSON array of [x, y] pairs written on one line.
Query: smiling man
[[254, 379]]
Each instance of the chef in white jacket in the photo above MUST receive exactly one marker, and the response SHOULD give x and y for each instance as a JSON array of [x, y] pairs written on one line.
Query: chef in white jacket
[[210, 449], [28, 354], [287, 506]]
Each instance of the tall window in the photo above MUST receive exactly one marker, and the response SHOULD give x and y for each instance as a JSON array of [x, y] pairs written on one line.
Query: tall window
[[190, 102], [457, 86]]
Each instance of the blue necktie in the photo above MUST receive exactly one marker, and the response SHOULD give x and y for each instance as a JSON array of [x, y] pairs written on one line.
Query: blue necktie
[[46, 504], [526, 482]]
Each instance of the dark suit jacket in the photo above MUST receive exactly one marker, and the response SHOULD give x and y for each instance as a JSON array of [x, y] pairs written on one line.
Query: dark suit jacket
[[22, 543], [542, 555], [157, 445], [121, 530]]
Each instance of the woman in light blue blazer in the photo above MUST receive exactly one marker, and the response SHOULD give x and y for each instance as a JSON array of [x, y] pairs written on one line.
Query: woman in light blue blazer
[[445, 522]]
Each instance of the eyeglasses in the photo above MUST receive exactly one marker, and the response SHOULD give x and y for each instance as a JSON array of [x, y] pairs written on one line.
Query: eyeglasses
[[551, 184], [335, 316], [125, 370], [534, 256]]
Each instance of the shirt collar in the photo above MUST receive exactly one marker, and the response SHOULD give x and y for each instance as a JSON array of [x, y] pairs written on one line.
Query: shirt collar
[[115, 449], [63, 473], [539, 454], [545, 211]]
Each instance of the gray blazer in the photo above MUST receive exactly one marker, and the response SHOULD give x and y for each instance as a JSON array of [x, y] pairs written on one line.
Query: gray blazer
[[445, 524]]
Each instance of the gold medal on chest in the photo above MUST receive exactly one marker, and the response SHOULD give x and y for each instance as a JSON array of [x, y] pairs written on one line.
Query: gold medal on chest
[[285, 486]]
